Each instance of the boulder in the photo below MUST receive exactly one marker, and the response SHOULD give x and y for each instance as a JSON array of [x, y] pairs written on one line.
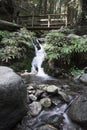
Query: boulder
[[83, 78], [78, 110], [12, 98]]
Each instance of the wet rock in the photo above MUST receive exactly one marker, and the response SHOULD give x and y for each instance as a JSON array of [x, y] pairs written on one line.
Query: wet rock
[[52, 89], [73, 36], [32, 97], [46, 127], [78, 110], [64, 96], [30, 87], [85, 69], [39, 93], [65, 86], [55, 120], [31, 91], [56, 101], [34, 108], [76, 78], [83, 78], [41, 86], [45, 102], [12, 98]]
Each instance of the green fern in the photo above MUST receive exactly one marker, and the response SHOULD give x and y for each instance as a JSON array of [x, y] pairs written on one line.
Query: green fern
[[15, 44], [58, 46]]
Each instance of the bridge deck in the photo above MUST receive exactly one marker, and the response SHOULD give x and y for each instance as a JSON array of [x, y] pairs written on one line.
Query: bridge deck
[[45, 22]]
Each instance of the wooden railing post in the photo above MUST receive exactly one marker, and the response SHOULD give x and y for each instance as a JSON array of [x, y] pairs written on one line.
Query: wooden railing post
[[66, 21], [49, 20]]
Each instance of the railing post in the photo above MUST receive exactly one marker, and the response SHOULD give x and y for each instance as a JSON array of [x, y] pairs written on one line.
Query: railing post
[[66, 21], [49, 20]]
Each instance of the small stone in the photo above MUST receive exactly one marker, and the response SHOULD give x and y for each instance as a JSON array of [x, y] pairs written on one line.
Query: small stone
[[64, 96], [44, 95], [42, 86], [30, 88], [65, 86], [52, 89], [38, 93], [45, 102], [32, 97], [35, 108], [33, 91], [29, 92]]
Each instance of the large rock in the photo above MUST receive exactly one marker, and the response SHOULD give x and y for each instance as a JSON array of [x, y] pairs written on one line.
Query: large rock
[[78, 110], [12, 98], [83, 78]]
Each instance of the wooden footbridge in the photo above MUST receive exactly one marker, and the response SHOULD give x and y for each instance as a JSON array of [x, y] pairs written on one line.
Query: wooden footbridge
[[43, 22]]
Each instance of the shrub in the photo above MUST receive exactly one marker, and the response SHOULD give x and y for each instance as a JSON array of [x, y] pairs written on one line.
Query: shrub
[[60, 46], [15, 44]]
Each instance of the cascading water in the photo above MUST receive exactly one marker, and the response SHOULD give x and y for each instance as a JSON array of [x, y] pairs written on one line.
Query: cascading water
[[38, 60]]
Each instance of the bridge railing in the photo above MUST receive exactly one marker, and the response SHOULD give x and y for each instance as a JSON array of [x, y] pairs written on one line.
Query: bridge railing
[[48, 20]]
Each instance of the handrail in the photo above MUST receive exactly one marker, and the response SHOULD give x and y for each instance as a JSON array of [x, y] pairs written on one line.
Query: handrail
[[48, 19], [43, 15]]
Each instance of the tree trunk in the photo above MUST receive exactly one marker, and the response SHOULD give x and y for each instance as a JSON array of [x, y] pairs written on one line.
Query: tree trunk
[[5, 25], [45, 7]]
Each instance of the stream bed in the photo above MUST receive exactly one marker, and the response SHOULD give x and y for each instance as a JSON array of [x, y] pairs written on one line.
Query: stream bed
[[48, 103]]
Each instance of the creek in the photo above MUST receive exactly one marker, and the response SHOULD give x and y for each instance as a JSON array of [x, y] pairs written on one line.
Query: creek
[[48, 98]]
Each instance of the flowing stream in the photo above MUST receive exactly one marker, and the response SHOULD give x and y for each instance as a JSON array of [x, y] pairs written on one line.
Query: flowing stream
[[38, 70], [55, 116]]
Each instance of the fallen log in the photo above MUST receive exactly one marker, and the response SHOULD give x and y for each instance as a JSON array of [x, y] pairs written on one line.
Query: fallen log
[[5, 25]]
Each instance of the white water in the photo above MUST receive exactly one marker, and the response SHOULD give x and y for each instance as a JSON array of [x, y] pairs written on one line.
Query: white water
[[37, 61]]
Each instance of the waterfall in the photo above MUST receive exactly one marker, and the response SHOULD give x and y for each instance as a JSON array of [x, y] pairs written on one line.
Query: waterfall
[[37, 68], [38, 59]]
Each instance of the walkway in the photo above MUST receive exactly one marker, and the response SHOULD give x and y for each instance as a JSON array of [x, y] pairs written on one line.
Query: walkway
[[44, 22]]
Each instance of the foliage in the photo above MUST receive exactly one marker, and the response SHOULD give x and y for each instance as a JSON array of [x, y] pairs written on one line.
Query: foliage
[[66, 30], [15, 44], [4, 34], [61, 46], [75, 71]]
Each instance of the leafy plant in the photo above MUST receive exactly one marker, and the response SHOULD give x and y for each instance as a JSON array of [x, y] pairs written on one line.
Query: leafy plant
[[4, 33], [61, 46], [75, 71], [15, 44]]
